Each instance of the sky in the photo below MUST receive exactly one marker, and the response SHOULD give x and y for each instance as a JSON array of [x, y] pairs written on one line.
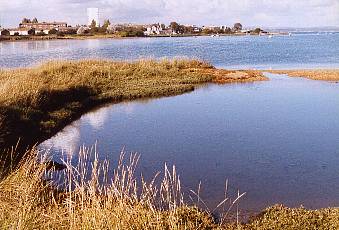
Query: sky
[[251, 13]]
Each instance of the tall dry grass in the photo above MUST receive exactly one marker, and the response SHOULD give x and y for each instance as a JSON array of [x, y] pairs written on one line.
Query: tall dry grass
[[314, 74], [37, 102], [87, 198]]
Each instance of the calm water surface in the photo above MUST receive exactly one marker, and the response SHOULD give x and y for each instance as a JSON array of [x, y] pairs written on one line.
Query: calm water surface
[[298, 51], [277, 140]]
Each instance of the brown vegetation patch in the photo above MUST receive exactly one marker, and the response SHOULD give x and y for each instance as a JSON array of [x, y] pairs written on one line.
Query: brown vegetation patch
[[280, 217], [227, 76], [322, 75]]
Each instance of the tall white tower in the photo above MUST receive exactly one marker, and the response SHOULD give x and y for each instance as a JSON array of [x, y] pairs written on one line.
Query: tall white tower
[[93, 14]]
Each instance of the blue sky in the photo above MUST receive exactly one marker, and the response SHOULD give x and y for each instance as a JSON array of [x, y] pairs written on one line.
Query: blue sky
[[265, 13]]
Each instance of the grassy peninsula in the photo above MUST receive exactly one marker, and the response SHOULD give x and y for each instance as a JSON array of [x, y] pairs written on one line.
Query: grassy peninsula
[[35, 103], [321, 75]]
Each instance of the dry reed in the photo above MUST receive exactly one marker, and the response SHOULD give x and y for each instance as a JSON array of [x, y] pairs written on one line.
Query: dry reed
[[88, 198]]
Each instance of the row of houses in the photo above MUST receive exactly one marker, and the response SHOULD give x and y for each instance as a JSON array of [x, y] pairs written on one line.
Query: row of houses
[[158, 29], [31, 28]]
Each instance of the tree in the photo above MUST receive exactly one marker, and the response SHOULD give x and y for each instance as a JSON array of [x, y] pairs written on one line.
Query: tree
[[227, 30], [60, 33], [237, 27], [103, 28], [207, 31], [53, 31], [257, 30], [94, 28], [26, 20], [16, 34], [35, 20], [41, 33], [93, 24], [175, 27], [187, 29], [5, 33], [106, 23], [31, 32]]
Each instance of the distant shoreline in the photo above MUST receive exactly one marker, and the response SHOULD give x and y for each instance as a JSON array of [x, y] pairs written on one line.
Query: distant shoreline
[[109, 36]]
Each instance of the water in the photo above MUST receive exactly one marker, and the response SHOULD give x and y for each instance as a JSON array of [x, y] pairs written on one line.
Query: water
[[275, 140], [280, 52]]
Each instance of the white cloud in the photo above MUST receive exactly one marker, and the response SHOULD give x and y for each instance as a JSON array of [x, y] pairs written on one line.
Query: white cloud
[[249, 12]]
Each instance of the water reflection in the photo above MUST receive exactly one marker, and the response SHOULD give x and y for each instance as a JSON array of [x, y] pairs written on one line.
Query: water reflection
[[97, 119], [276, 140], [92, 43], [66, 142]]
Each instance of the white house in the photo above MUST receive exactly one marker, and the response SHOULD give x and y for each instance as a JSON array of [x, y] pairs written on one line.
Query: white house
[[82, 30], [153, 30], [19, 31]]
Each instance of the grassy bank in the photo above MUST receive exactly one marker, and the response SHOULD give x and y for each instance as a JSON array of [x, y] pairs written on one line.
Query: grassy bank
[[30, 38], [92, 200], [322, 75], [28, 202], [37, 102]]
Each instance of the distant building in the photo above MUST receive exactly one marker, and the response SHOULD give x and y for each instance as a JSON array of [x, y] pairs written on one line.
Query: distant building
[[93, 14], [83, 30], [43, 26], [154, 29], [211, 27], [196, 29], [19, 31]]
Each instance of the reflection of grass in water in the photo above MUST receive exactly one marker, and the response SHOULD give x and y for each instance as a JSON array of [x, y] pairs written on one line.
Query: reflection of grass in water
[[91, 200]]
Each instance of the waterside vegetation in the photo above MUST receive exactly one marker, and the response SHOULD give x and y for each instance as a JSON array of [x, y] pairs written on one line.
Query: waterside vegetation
[[37, 102], [90, 199], [321, 75]]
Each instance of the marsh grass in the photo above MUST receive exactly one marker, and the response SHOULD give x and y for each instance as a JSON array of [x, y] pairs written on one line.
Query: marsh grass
[[37, 102], [318, 74], [89, 199]]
